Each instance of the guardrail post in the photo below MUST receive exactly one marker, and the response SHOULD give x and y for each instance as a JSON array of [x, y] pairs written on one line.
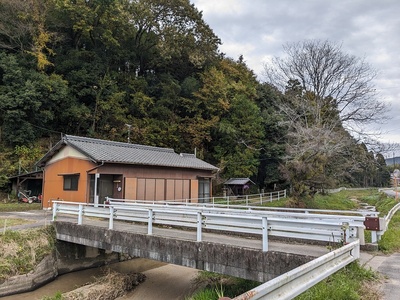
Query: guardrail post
[[247, 200], [374, 237], [199, 225], [80, 213], [346, 231], [265, 234], [361, 235], [355, 252], [111, 222], [150, 222], [260, 199], [55, 205]]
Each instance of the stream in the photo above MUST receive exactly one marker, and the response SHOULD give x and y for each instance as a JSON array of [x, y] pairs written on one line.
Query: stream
[[163, 281]]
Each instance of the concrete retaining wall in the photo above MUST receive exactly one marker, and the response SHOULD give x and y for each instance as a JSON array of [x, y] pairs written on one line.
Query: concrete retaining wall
[[67, 258], [44, 272]]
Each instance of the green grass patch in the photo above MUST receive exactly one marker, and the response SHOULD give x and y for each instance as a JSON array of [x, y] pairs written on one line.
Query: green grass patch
[[22, 250], [390, 241], [348, 283], [15, 206], [343, 200], [332, 201], [216, 286], [384, 205], [277, 203]]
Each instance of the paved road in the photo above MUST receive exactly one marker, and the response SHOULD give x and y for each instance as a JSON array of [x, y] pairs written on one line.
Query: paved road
[[389, 267], [39, 218], [391, 193]]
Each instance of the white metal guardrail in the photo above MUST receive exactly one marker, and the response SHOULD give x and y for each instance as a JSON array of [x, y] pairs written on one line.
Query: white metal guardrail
[[253, 199], [151, 216], [282, 223], [384, 222], [192, 203], [296, 281], [301, 226]]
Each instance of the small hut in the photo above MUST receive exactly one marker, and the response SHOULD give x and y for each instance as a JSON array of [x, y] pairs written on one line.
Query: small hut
[[237, 186]]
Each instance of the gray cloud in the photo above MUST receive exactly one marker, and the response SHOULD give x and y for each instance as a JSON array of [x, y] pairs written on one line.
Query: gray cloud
[[368, 29]]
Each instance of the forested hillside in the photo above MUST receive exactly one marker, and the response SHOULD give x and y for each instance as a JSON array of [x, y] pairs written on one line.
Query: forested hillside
[[152, 70]]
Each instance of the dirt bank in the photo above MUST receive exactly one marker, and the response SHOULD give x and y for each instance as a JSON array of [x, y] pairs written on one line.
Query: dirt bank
[[168, 282], [108, 287]]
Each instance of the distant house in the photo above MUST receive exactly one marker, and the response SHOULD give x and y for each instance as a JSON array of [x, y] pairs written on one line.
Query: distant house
[[237, 186], [81, 169]]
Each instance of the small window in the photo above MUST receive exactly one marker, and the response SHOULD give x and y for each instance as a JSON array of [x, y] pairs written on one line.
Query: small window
[[71, 182]]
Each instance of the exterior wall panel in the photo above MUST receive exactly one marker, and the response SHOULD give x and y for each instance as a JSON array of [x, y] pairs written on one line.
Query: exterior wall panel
[[160, 189], [141, 189], [178, 189], [130, 188], [170, 189], [194, 190], [186, 189], [150, 193], [53, 185]]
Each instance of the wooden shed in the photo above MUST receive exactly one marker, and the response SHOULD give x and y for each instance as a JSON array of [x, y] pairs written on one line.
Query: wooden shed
[[30, 183], [237, 186], [82, 169]]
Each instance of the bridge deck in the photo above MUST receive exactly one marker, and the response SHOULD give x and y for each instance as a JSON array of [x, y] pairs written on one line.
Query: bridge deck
[[190, 235]]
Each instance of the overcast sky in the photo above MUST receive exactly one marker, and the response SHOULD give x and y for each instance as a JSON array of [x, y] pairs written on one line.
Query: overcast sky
[[368, 29]]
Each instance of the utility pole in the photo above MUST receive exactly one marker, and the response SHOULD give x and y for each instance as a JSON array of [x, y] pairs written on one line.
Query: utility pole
[[129, 132]]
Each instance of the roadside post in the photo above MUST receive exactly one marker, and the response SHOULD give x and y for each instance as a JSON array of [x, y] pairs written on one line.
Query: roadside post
[[396, 175]]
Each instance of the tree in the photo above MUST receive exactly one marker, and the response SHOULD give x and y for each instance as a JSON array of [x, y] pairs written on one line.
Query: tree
[[273, 144], [30, 101], [174, 32], [227, 115], [331, 79], [16, 29], [23, 29], [383, 174], [327, 94]]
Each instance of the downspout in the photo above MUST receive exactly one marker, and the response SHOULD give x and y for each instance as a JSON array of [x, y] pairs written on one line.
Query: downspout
[[95, 183], [96, 167]]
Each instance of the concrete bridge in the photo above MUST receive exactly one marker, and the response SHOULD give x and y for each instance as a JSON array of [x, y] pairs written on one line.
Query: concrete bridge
[[212, 240], [238, 242], [230, 255]]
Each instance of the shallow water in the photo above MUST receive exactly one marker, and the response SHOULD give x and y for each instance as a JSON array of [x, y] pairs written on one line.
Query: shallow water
[[70, 281]]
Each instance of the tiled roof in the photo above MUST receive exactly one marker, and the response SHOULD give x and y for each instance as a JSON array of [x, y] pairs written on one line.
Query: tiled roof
[[238, 181], [117, 152]]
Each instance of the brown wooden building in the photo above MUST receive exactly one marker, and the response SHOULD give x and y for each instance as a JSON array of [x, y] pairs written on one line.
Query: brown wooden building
[[81, 169]]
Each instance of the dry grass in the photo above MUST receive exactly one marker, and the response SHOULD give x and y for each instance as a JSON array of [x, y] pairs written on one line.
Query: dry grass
[[21, 251], [8, 222], [371, 290], [108, 287]]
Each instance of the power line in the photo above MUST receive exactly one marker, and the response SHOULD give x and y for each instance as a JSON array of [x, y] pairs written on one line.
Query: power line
[[43, 128]]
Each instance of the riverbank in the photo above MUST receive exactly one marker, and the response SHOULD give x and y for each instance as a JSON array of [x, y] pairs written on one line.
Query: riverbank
[[163, 281]]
